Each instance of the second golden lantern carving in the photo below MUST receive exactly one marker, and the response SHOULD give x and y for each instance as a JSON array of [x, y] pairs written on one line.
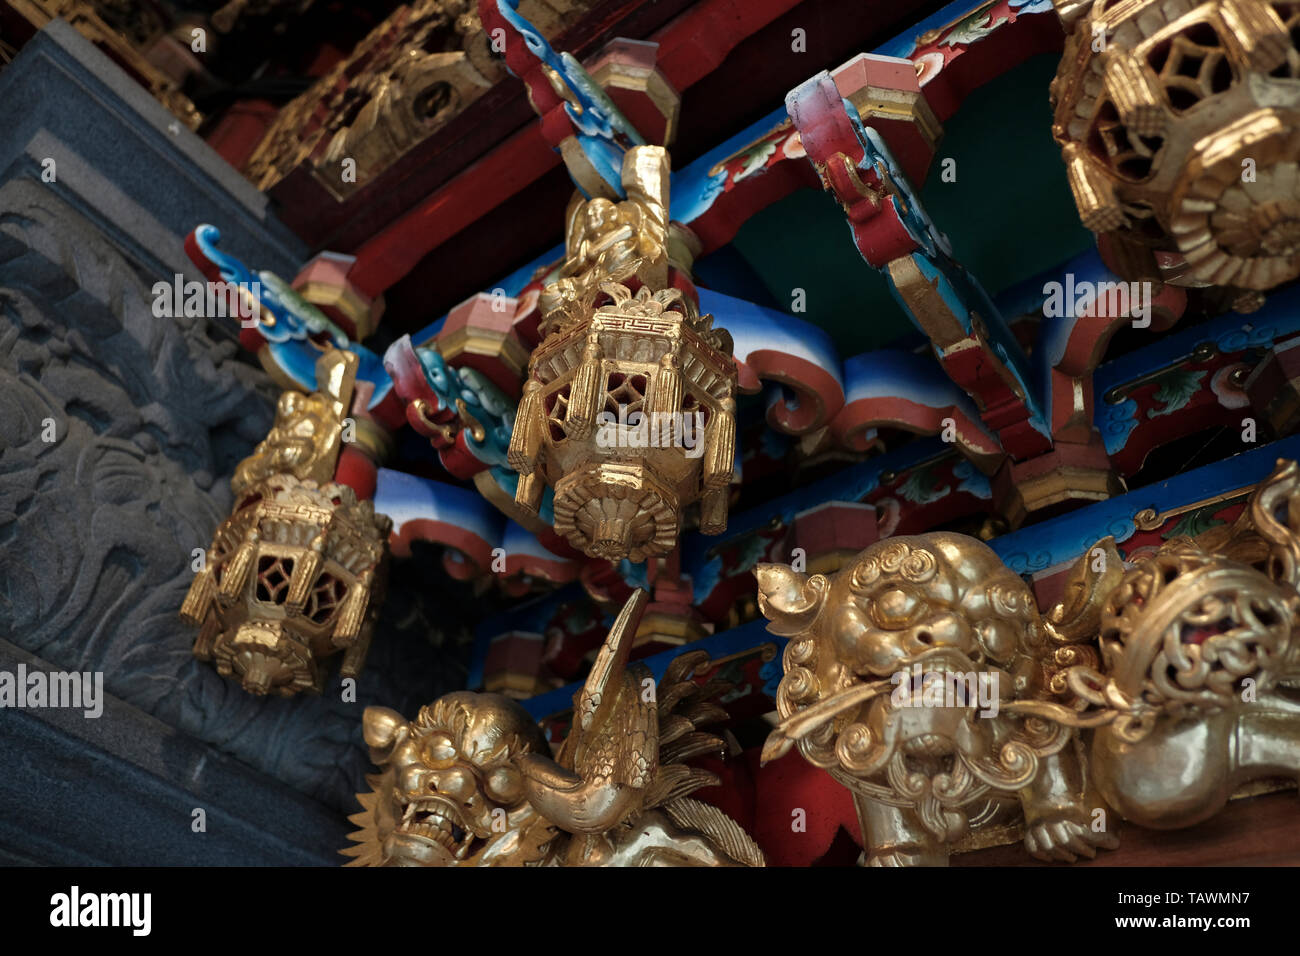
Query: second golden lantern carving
[[629, 408], [297, 572], [1180, 127]]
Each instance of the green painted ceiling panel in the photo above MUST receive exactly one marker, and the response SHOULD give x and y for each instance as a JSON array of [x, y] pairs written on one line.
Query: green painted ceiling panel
[[1009, 215]]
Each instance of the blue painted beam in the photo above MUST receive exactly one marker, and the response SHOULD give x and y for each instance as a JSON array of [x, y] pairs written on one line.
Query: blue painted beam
[[718, 645], [1065, 538]]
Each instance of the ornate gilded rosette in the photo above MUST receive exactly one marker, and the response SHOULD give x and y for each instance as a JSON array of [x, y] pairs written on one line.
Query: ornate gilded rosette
[[1180, 127]]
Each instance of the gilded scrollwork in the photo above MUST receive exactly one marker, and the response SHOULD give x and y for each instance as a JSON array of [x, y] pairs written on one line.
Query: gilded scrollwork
[[1174, 679], [408, 78], [1178, 125], [1197, 692]]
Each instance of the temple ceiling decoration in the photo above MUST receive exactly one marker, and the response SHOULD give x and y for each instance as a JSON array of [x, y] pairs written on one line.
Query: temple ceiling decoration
[[970, 563], [615, 794], [1196, 651]]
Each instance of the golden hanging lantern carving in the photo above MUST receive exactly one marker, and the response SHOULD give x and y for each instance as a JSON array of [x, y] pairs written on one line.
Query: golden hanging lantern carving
[[629, 408], [1180, 128], [296, 573]]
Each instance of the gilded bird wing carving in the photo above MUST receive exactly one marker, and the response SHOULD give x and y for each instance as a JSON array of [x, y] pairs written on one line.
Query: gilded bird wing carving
[[611, 754], [626, 753], [724, 832], [596, 698], [615, 734], [683, 708], [686, 709], [623, 746]]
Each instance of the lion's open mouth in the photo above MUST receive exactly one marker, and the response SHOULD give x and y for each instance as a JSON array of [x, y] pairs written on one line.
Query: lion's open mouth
[[439, 821], [938, 663]]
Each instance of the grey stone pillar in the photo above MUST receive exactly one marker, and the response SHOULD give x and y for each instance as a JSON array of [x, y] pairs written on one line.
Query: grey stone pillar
[[125, 163], [118, 434]]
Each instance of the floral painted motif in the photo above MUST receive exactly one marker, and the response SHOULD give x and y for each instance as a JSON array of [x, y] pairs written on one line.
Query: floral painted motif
[[1174, 389], [922, 486], [1194, 522]]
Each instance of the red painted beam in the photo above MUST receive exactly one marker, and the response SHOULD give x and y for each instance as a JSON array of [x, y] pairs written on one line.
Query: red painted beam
[[505, 171], [690, 47], [505, 231], [326, 223]]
